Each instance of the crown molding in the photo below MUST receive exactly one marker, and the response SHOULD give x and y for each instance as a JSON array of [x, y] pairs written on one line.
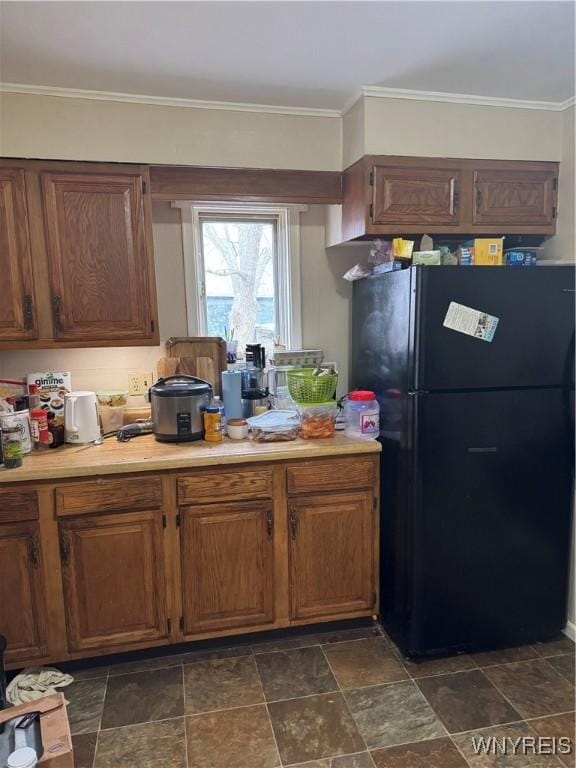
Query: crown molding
[[371, 91], [378, 92], [160, 101]]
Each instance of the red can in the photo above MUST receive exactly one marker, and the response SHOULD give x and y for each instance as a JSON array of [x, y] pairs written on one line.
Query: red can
[[39, 428]]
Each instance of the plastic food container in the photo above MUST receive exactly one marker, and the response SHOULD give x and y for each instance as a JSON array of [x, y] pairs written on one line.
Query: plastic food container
[[237, 429], [274, 426], [318, 421], [362, 414], [111, 404]]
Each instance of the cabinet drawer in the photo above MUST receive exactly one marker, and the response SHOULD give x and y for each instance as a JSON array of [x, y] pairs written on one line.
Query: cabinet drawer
[[313, 476], [221, 486], [18, 506], [107, 495]]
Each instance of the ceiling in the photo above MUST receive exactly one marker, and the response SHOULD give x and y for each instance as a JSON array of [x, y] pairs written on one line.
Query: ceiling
[[301, 54]]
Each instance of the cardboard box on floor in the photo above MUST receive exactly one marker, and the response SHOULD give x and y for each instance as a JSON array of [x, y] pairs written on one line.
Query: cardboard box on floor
[[54, 727]]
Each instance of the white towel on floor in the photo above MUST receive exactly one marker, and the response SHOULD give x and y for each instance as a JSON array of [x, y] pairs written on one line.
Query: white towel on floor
[[35, 682]]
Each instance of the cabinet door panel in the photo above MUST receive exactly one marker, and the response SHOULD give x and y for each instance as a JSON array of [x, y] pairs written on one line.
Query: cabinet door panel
[[17, 312], [415, 196], [227, 565], [97, 256], [114, 583], [22, 604], [509, 197], [331, 554]]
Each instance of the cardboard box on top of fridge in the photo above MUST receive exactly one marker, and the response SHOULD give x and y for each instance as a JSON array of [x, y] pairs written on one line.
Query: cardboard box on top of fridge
[[488, 251], [53, 387], [54, 729]]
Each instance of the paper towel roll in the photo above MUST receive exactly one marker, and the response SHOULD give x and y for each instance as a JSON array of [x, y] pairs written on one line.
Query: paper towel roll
[[232, 394]]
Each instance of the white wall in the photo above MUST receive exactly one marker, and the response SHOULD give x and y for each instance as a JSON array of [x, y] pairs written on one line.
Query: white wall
[[51, 127], [435, 129]]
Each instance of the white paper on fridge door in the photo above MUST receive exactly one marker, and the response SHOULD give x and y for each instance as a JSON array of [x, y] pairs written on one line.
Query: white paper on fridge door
[[470, 321]]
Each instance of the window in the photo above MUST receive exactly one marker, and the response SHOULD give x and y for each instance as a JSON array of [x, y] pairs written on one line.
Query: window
[[242, 272]]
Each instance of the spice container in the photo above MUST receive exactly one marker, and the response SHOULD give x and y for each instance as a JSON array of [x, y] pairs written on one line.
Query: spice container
[[212, 424], [12, 447], [274, 426], [318, 421], [41, 437], [56, 431]]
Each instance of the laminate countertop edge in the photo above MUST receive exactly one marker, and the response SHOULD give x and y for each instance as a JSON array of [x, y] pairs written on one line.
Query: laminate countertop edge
[[144, 454]]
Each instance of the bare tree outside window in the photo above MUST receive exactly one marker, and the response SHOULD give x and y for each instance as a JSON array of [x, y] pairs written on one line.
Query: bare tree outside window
[[239, 274]]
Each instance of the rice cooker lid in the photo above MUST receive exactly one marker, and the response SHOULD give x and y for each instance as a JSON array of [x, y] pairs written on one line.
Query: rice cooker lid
[[180, 386]]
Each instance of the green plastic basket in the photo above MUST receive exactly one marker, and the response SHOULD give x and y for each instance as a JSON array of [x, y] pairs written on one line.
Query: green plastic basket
[[306, 388]]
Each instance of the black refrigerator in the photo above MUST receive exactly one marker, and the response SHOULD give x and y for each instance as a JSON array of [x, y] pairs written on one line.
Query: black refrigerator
[[474, 371]]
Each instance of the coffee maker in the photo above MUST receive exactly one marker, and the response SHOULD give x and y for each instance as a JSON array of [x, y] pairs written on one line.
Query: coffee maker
[[254, 381]]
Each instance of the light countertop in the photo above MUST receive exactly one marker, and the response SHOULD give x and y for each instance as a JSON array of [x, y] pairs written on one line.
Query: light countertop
[[145, 454]]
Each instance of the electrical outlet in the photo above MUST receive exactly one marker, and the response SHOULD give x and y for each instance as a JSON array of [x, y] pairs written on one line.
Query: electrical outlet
[[139, 383]]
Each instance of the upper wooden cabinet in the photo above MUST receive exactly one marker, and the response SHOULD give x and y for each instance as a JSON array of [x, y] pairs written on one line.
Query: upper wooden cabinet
[[515, 197], [412, 195], [17, 307], [82, 234], [415, 196]]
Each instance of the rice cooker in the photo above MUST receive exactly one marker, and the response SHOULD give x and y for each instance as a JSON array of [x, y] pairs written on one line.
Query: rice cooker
[[177, 404]]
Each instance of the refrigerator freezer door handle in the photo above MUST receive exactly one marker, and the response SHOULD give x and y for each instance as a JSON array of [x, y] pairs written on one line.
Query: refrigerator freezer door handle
[[483, 449]]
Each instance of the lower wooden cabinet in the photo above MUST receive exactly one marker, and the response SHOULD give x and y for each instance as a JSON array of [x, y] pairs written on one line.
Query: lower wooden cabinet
[[332, 546], [22, 604], [227, 565], [114, 580]]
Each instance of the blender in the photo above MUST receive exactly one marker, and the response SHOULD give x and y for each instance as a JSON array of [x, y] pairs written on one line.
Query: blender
[[254, 381]]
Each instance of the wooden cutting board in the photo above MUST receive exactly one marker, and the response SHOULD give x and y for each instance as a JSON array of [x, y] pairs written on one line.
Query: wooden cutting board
[[202, 356]]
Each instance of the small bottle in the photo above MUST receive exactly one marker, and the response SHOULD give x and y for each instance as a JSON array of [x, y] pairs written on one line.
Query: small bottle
[[33, 396], [212, 424], [56, 431], [220, 405], [12, 447], [41, 436]]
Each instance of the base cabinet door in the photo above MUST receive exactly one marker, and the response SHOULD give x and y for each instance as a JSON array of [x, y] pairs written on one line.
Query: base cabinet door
[[114, 579], [227, 565], [331, 554], [22, 604]]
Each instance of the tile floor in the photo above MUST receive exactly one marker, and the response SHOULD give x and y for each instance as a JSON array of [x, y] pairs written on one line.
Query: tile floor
[[335, 699]]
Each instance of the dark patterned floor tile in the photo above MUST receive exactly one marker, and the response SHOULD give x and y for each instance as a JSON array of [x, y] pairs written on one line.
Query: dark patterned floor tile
[[86, 700], [358, 663], [505, 656], [290, 674], [437, 753], [221, 684], [534, 688], [467, 701], [233, 738], [149, 745], [84, 747], [344, 635], [439, 666], [143, 696], [387, 715], [556, 647], [213, 654], [146, 665], [361, 760], [88, 673], [501, 753], [565, 665], [314, 727], [559, 727]]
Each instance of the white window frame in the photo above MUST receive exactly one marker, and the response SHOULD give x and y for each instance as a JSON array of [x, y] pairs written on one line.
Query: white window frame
[[288, 300]]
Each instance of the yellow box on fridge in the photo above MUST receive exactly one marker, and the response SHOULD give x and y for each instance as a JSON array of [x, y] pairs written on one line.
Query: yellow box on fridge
[[489, 251]]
